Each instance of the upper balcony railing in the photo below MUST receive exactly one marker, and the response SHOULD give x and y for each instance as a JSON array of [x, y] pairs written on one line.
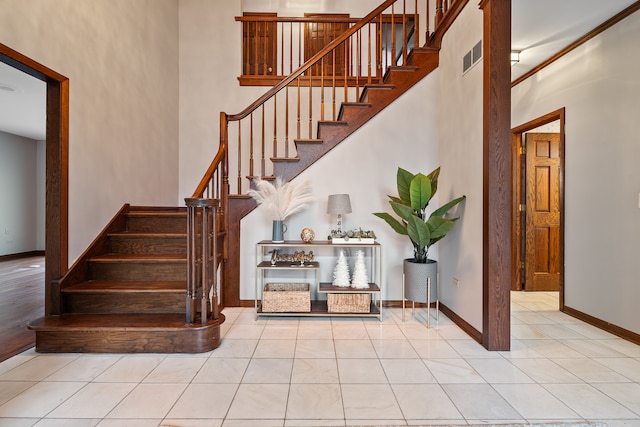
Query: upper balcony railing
[[274, 47]]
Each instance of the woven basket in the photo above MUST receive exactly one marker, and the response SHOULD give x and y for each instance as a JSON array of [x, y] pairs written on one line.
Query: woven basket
[[286, 298], [348, 303]]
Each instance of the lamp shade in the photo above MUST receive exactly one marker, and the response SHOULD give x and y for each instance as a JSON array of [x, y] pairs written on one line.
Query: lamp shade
[[339, 204]]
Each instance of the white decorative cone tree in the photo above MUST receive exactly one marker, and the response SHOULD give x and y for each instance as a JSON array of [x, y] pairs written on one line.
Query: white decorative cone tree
[[360, 279], [341, 272]]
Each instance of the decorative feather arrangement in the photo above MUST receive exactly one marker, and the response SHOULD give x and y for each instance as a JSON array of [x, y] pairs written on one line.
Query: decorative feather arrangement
[[282, 199]]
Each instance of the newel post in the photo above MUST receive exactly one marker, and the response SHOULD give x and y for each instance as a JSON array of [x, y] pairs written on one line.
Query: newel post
[[202, 283]]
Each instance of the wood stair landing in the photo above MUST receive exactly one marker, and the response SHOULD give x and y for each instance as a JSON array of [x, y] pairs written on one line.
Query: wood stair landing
[[127, 292]]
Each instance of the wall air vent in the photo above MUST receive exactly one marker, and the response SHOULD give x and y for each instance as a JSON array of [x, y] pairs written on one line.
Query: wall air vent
[[472, 57]]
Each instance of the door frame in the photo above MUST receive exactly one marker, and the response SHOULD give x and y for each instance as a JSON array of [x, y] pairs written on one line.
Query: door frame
[[516, 186], [56, 171]]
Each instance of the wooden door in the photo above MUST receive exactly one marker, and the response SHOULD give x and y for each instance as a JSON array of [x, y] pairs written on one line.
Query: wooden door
[[259, 46], [320, 34], [542, 233]]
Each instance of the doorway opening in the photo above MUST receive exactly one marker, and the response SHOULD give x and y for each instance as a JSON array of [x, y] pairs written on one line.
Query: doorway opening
[[538, 158], [56, 171]]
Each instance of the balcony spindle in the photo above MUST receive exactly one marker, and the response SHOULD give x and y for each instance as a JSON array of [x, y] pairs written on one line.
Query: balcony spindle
[[393, 37], [404, 32], [286, 122], [275, 126], [239, 155], [310, 103], [262, 142], [416, 26], [333, 82], [322, 88], [251, 157]]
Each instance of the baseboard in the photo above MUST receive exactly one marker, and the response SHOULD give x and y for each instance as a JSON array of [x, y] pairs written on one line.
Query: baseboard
[[459, 321], [605, 326], [21, 255]]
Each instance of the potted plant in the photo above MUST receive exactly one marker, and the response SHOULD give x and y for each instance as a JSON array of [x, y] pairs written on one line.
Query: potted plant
[[414, 194]]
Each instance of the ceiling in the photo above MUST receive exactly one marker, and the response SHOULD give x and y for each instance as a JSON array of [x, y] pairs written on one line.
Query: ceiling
[[540, 28]]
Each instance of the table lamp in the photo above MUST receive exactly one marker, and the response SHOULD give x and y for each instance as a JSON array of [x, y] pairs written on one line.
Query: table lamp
[[339, 204]]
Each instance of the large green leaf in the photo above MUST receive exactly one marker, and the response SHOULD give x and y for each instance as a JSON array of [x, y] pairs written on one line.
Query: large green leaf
[[418, 231], [433, 177], [403, 179], [439, 226], [420, 191], [445, 208], [394, 223], [403, 211]]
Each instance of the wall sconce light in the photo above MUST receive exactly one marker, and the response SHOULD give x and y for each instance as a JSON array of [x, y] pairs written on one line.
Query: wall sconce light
[[339, 204], [515, 57]]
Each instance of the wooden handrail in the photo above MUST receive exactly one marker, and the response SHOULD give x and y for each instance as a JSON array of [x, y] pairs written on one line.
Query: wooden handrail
[[217, 160], [305, 19], [312, 61]]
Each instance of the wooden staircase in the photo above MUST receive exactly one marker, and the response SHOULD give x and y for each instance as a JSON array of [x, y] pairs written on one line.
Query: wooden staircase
[[149, 281], [127, 292]]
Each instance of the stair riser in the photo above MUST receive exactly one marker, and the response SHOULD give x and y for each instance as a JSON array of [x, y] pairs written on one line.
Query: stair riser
[[348, 113], [138, 271], [188, 340], [157, 224], [129, 302], [149, 245]]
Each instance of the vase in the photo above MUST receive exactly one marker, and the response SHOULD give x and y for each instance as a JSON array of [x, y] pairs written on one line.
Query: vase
[[415, 280], [277, 233]]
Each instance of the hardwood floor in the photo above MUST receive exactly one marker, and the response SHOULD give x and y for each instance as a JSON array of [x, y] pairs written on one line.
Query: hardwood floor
[[21, 302]]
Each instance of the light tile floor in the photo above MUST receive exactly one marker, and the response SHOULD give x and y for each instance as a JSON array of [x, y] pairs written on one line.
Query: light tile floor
[[337, 372]]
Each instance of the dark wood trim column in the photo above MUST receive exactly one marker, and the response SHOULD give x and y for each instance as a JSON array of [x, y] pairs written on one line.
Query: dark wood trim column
[[496, 280], [57, 171], [57, 192]]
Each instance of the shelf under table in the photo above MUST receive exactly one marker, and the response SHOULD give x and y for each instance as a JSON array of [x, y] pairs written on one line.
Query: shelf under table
[[330, 288], [319, 308]]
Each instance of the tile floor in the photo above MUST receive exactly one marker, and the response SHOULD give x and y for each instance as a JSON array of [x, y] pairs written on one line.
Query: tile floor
[[337, 372]]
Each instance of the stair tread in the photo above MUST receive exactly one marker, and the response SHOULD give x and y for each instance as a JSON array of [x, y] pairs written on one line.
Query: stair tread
[[285, 159], [379, 86], [356, 104], [142, 234], [99, 286], [138, 257], [308, 140], [333, 122], [159, 211], [110, 321], [404, 68]]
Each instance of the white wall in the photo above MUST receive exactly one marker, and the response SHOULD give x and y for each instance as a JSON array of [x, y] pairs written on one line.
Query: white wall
[[210, 61], [120, 57], [19, 185], [598, 85], [461, 154]]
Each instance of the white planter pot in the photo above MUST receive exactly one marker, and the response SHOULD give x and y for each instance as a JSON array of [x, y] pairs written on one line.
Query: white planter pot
[[415, 280]]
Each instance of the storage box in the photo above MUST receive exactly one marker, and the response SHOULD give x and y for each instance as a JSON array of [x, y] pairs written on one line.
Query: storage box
[[348, 303], [286, 298]]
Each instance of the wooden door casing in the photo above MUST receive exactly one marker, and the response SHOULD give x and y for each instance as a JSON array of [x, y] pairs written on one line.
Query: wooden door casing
[[542, 235]]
